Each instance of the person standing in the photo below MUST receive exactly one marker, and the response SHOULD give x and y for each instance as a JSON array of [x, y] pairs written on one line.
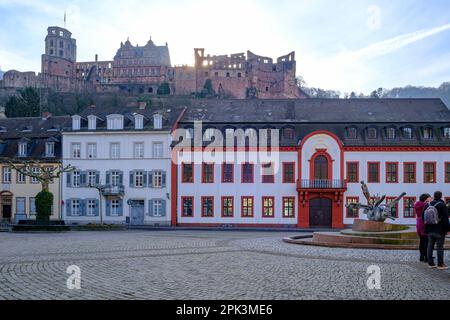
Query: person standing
[[436, 226], [419, 207]]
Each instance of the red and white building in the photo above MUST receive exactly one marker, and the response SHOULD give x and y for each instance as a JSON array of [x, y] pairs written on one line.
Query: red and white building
[[326, 148]]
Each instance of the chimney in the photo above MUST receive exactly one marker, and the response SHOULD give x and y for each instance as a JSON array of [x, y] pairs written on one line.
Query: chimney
[[96, 58], [46, 115]]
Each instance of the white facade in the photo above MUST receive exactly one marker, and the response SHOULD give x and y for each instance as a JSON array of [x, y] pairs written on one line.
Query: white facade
[[141, 155]]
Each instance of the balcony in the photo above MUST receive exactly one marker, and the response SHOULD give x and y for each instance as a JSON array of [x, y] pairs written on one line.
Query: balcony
[[113, 191], [321, 185]]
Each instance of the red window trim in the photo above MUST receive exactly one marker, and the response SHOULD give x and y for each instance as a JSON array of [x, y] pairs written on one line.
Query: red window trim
[[447, 163], [232, 172], [435, 167], [182, 207], [396, 206], [414, 199], [355, 199], [379, 171], [284, 164], [203, 172], [253, 173], [203, 206], [293, 208], [253, 206], [222, 207], [396, 171], [273, 208], [182, 172], [357, 171], [415, 171], [272, 167]]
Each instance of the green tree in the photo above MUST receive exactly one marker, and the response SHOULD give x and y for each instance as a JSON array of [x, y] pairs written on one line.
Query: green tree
[[25, 104], [164, 89], [44, 202]]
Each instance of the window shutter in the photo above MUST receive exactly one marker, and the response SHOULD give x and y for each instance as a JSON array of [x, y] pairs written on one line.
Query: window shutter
[[121, 178], [108, 177], [163, 179], [83, 207], [83, 179], [120, 208], [69, 179], [150, 208], [108, 208], [97, 178], [145, 179], [131, 179], [97, 208], [68, 207], [150, 179], [163, 208]]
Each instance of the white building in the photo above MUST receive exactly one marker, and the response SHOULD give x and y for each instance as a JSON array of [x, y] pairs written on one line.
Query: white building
[[122, 163]]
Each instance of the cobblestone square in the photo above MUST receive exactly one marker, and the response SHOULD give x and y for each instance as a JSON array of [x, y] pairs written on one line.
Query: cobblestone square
[[203, 265]]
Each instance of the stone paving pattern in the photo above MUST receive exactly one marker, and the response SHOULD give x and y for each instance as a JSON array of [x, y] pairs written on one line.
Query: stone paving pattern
[[203, 265]]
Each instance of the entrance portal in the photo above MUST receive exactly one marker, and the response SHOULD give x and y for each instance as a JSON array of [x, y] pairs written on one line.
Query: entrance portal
[[320, 213], [137, 212]]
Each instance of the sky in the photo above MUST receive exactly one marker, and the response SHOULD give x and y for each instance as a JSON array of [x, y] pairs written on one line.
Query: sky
[[345, 45]]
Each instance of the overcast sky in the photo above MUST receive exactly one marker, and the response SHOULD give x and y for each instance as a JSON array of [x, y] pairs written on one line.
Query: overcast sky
[[340, 44]]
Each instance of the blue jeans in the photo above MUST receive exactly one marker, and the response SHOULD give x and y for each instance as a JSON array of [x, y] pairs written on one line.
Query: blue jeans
[[439, 240]]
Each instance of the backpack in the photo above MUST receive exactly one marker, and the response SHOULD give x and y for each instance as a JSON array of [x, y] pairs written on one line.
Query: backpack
[[431, 215]]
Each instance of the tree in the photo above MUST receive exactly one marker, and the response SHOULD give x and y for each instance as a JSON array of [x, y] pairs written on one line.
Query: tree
[[44, 202], [164, 89], [26, 104]]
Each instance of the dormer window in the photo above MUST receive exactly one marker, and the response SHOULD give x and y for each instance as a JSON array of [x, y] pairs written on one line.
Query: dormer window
[[92, 122], [138, 122], [115, 122], [49, 149], [428, 133], [76, 123], [157, 121], [447, 132], [22, 152], [371, 133], [352, 133], [288, 133], [390, 133], [407, 133]]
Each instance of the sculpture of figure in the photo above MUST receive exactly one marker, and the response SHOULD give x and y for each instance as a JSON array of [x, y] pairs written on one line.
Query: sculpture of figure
[[376, 210]]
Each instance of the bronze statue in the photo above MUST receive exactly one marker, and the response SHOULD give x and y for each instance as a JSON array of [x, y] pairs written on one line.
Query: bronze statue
[[375, 209]]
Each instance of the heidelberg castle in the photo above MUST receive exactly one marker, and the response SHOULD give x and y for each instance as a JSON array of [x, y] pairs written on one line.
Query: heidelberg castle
[[148, 69]]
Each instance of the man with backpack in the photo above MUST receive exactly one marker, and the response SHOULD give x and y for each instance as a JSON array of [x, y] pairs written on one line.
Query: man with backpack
[[437, 225]]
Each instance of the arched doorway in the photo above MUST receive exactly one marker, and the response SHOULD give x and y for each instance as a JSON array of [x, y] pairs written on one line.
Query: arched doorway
[[320, 213], [321, 168]]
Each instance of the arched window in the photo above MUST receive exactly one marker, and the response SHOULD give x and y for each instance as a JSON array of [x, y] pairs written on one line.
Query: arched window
[[428, 133], [372, 133], [407, 132], [390, 133], [352, 133]]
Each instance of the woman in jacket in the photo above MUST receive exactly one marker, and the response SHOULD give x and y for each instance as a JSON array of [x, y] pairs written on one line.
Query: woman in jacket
[[418, 209]]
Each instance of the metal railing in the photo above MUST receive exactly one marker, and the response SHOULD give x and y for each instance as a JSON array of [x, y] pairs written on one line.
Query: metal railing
[[113, 190], [321, 184]]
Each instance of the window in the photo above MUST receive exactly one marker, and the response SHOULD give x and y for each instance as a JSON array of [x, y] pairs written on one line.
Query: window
[[288, 172], [447, 172], [138, 122], [352, 133], [157, 208], [227, 207], [115, 122], [20, 206], [390, 133], [372, 133], [391, 172], [247, 173], [288, 207], [116, 178], [21, 178], [139, 150], [49, 149], [207, 173], [409, 172], [22, 152], [447, 133], [429, 172], [428, 133], [76, 150], [115, 208], [157, 121], [92, 178], [208, 207], [157, 179], [92, 150], [76, 123], [352, 172], [247, 207], [394, 210], [408, 207], [407, 133], [32, 206], [188, 206], [91, 207], [75, 207], [228, 173], [76, 179], [157, 150], [352, 212], [139, 179], [187, 172], [114, 150], [288, 133], [268, 207], [373, 175], [6, 175], [268, 173], [92, 122], [35, 171]]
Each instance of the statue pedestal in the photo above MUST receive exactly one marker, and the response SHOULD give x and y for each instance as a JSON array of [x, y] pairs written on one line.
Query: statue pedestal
[[376, 226]]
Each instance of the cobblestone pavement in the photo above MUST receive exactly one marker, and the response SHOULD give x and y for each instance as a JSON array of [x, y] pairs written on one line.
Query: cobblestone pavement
[[203, 265]]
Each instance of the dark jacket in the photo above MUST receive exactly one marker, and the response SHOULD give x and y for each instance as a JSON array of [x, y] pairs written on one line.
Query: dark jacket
[[444, 225]]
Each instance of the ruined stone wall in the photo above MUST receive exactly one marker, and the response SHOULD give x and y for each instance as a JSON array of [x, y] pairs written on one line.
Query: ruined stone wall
[[16, 79]]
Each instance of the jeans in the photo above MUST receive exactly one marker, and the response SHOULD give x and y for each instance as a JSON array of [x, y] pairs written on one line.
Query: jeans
[[438, 239], [423, 247]]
